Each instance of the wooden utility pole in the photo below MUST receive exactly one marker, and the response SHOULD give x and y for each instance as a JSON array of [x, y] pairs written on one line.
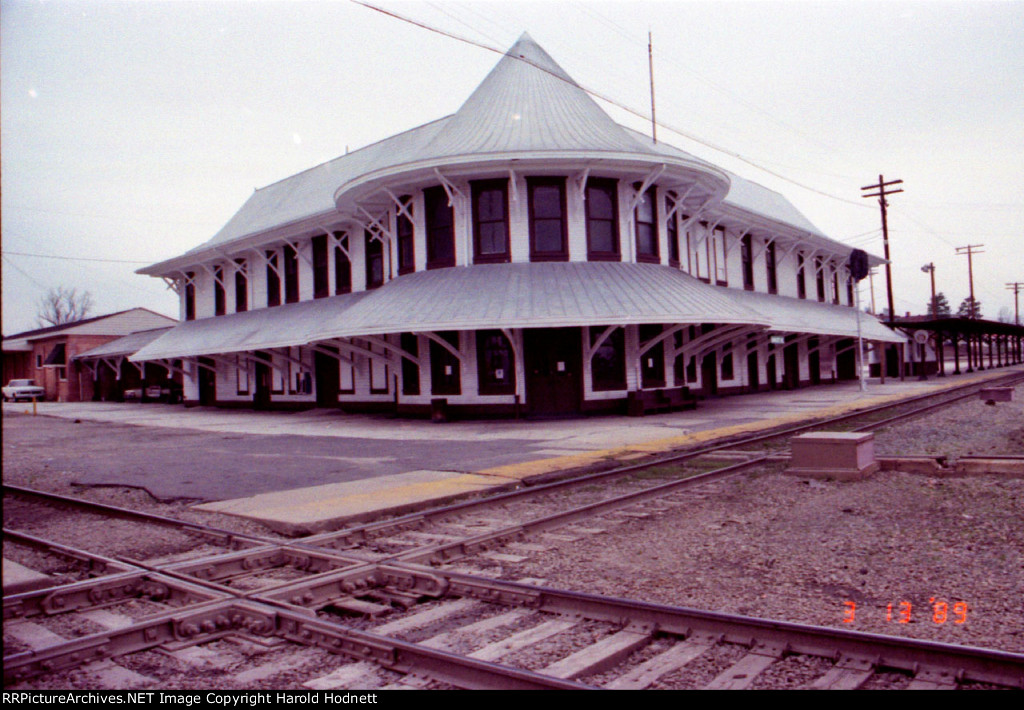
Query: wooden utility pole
[[969, 251], [1015, 287], [882, 193]]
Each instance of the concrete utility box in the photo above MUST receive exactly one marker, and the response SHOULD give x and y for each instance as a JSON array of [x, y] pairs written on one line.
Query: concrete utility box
[[838, 455], [991, 395]]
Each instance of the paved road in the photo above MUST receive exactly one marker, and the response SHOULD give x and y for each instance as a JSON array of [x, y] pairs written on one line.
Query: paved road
[[183, 463], [212, 454]]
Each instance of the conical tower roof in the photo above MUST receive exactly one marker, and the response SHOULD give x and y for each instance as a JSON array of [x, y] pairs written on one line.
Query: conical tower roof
[[528, 103]]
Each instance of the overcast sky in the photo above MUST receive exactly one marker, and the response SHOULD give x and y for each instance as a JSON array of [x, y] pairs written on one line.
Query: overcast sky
[[134, 130]]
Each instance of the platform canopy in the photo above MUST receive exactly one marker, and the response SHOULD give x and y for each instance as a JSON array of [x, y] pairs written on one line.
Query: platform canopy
[[537, 295], [127, 345], [959, 325], [797, 315], [494, 296], [262, 329]]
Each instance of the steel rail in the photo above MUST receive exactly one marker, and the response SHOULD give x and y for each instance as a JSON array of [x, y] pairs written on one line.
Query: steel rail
[[360, 533], [446, 551], [96, 562], [227, 536], [956, 662]]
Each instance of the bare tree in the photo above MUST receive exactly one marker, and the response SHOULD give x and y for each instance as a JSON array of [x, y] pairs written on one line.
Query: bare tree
[[63, 305]]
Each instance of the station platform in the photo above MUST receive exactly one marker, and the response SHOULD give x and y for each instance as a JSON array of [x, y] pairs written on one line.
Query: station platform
[[375, 475]]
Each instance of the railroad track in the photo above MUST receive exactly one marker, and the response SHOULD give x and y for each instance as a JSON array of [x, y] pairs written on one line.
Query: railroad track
[[360, 592]]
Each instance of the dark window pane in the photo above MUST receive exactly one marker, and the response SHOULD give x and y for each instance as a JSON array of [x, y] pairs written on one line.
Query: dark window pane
[[600, 203], [547, 201], [646, 241], [492, 238], [342, 270], [547, 219], [291, 275], [374, 262], [273, 280], [602, 237], [495, 363], [406, 248], [320, 285], [410, 370], [547, 236], [440, 232], [491, 205], [445, 373], [608, 365], [241, 287]]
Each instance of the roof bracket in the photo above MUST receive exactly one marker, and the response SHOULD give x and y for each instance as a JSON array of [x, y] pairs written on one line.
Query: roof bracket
[[593, 348], [677, 200], [435, 338], [216, 272], [696, 215], [272, 264], [514, 185], [299, 252], [376, 228], [647, 182], [449, 187], [333, 240], [402, 209], [738, 240], [581, 182], [172, 284]]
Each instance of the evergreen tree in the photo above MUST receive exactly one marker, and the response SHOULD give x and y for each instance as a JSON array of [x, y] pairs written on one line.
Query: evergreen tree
[[942, 308], [965, 309]]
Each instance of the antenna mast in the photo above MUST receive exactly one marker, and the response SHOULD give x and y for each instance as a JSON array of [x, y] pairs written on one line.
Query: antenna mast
[[650, 65]]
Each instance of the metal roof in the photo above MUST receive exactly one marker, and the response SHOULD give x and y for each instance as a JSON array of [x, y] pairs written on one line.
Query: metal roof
[[510, 296], [797, 315], [265, 328], [536, 295], [527, 107], [529, 103], [127, 345]]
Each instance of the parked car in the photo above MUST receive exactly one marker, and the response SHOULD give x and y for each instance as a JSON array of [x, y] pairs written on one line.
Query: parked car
[[23, 389]]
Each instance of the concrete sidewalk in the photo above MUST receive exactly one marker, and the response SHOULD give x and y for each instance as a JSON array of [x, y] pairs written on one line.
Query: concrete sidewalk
[[501, 453]]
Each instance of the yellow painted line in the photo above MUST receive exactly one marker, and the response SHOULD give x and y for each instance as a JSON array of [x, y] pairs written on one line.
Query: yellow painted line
[[528, 469]]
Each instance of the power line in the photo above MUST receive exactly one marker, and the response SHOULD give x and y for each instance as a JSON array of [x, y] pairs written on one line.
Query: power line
[[73, 258], [21, 271], [608, 99]]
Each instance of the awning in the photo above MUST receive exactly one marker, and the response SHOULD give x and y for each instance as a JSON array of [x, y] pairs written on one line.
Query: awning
[[958, 324], [262, 329], [797, 315], [128, 345], [536, 295]]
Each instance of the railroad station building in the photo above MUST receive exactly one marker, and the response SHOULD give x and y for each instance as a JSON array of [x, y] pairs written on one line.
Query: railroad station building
[[526, 254], [50, 355]]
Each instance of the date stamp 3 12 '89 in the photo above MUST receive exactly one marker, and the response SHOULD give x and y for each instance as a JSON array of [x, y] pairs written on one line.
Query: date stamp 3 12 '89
[[903, 612]]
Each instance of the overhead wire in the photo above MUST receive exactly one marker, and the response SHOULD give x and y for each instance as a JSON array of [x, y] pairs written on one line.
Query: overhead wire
[[75, 258], [628, 109]]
